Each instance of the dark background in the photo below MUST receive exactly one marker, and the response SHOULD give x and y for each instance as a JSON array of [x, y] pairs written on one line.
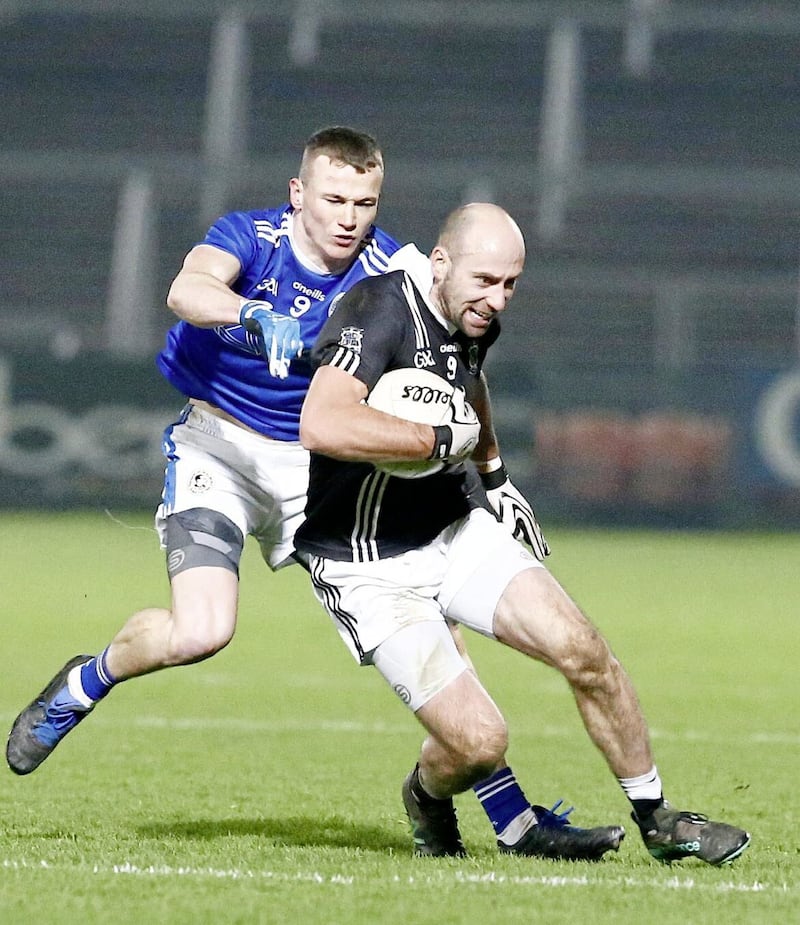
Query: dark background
[[649, 368]]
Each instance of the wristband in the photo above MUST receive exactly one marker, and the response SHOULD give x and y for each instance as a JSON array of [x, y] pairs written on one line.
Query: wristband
[[491, 464], [442, 441], [495, 478]]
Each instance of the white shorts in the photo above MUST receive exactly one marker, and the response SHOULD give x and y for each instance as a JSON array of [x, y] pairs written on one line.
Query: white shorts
[[259, 483], [461, 574]]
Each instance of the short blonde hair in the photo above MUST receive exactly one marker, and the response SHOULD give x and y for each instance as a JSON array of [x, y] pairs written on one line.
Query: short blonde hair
[[345, 145]]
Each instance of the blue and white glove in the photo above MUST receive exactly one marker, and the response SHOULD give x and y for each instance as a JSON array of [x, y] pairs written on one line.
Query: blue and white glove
[[514, 511], [277, 336]]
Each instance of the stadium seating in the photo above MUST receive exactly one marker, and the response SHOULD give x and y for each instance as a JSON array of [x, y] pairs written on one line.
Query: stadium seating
[[123, 86], [677, 262]]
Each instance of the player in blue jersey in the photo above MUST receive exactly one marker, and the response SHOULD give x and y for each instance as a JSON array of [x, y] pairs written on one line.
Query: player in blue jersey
[[250, 295]]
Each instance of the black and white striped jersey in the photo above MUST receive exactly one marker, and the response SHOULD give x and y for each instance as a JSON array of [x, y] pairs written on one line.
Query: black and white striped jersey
[[354, 511]]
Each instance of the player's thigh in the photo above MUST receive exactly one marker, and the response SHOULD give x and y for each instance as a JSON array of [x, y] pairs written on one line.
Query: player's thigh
[[536, 616], [482, 559], [259, 483], [419, 662], [207, 460], [204, 605], [371, 601], [495, 586], [281, 480]]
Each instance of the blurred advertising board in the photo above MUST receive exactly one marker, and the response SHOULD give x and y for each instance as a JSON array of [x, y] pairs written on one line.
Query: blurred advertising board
[[82, 432], [86, 432]]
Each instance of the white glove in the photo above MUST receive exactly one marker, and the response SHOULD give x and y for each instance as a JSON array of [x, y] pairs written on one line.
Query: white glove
[[456, 440], [514, 511]]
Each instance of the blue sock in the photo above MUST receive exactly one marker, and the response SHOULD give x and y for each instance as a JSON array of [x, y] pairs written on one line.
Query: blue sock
[[502, 799], [96, 679]]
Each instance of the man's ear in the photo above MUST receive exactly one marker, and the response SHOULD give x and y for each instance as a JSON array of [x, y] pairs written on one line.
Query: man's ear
[[440, 261], [296, 193]]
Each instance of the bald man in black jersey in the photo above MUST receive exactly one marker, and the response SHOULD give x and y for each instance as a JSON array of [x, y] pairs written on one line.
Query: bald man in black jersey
[[393, 558]]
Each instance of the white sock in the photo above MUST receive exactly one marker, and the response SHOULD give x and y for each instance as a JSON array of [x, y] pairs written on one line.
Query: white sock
[[644, 787], [76, 688], [518, 826]]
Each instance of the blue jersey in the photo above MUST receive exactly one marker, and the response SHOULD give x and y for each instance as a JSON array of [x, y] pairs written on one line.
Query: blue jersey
[[221, 365]]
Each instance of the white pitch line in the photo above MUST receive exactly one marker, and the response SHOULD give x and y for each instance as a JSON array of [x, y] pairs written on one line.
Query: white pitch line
[[355, 727], [491, 878]]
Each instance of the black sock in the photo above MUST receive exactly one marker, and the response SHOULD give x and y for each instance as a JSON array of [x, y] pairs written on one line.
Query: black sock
[[645, 808]]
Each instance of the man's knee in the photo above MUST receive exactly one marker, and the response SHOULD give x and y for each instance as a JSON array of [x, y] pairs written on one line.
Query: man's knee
[[197, 646], [476, 740], [587, 661], [484, 748], [200, 629]]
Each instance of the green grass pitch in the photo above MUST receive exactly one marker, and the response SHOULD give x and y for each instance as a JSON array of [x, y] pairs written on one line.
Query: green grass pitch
[[264, 784]]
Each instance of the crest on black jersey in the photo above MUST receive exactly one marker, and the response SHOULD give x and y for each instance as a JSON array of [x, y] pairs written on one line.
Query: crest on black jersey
[[352, 338]]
